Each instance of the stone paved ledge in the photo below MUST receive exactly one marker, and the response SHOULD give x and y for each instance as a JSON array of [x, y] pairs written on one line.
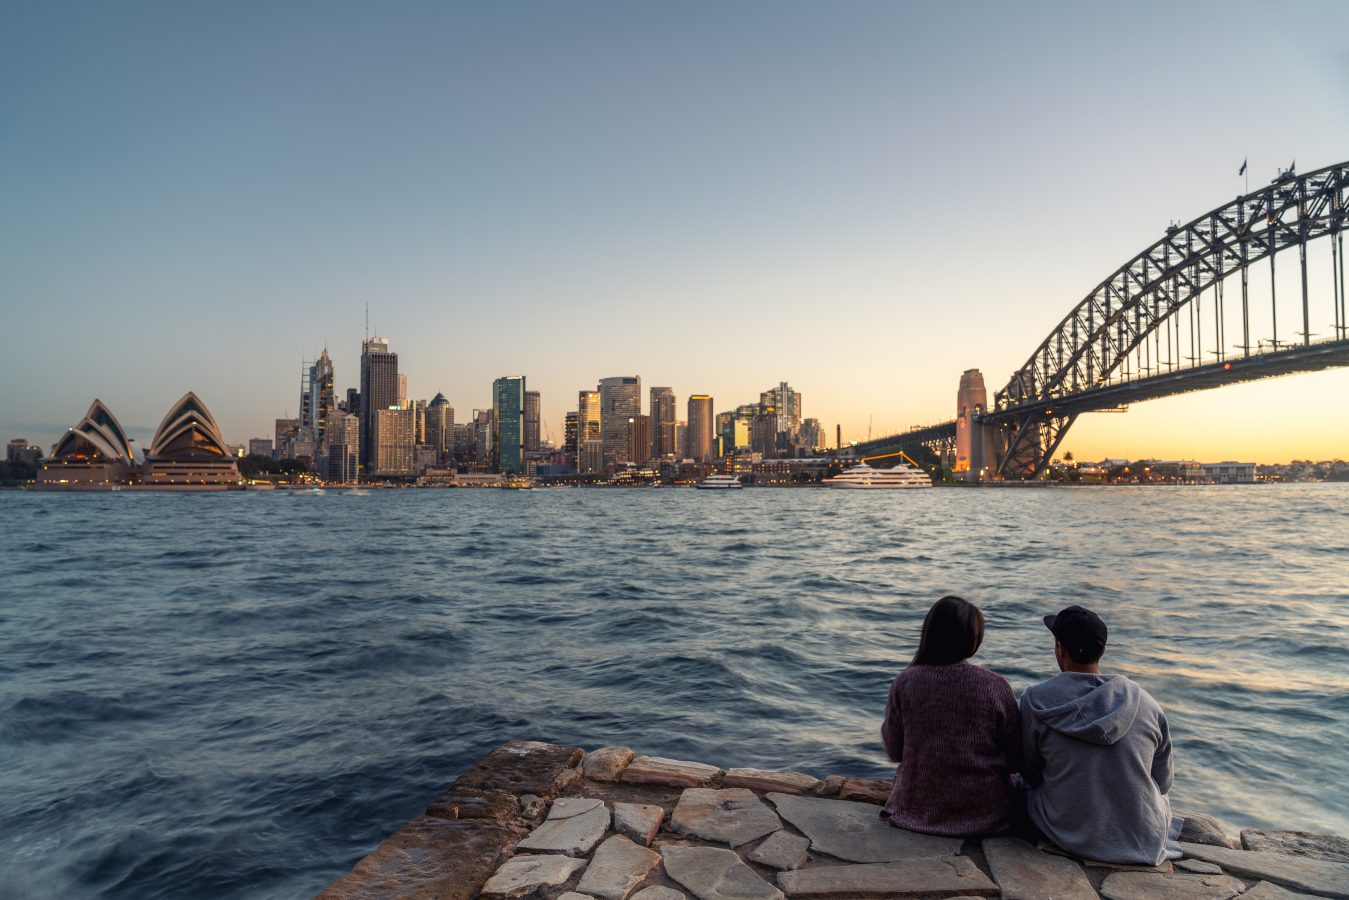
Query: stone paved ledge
[[534, 820]]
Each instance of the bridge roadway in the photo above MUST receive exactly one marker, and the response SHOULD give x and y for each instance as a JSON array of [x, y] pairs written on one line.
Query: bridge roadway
[[1290, 361]]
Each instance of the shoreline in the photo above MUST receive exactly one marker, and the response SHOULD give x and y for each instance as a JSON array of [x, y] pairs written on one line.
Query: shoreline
[[532, 819]]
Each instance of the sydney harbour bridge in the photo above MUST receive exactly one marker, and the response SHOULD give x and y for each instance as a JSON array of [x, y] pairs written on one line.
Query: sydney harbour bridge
[[1245, 291]]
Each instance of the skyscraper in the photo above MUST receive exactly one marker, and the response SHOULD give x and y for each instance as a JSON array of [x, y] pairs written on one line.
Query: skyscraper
[[784, 406], [639, 439], [508, 424], [533, 418], [700, 427], [440, 425], [620, 400], [379, 390], [392, 442], [662, 422], [589, 445], [569, 431], [344, 438], [321, 396]]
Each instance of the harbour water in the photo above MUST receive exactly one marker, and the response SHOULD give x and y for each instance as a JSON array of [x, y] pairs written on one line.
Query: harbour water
[[240, 695]]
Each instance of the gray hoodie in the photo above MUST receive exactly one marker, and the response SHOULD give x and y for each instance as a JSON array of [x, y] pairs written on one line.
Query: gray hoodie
[[1097, 756]]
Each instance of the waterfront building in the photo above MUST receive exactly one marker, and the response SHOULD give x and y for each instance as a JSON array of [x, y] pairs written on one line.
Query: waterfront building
[[733, 432], [341, 460], [700, 433], [810, 439], [508, 424], [20, 451], [663, 420], [681, 433], [424, 457], [260, 447], [569, 430], [639, 438], [1230, 472], [379, 390], [763, 436], [392, 443], [440, 425], [590, 459], [286, 432], [784, 405], [533, 421], [320, 396], [419, 420], [188, 450], [95, 452], [620, 400]]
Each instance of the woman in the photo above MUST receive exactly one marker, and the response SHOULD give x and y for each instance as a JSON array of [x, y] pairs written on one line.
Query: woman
[[953, 728]]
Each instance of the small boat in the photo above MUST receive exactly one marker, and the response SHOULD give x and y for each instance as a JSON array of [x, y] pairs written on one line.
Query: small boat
[[864, 477], [720, 483]]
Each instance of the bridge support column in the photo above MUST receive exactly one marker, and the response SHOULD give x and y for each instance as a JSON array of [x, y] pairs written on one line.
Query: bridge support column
[[1028, 443]]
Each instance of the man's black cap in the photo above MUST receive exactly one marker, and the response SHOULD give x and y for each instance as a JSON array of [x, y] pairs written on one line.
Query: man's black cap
[[1081, 631]]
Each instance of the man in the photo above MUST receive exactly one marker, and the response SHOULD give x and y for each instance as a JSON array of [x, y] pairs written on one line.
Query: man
[[1097, 754]]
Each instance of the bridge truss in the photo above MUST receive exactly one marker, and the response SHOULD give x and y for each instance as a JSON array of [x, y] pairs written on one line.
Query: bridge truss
[[1168, 321]]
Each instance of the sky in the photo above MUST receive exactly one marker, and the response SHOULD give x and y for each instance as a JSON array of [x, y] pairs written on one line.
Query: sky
[[863, 199]]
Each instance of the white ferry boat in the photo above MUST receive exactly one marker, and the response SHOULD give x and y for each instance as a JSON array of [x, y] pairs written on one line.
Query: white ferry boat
[[720, 482], [864, 477]]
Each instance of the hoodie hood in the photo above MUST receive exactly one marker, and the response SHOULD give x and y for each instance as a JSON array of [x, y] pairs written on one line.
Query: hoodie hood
[[1098, 709]]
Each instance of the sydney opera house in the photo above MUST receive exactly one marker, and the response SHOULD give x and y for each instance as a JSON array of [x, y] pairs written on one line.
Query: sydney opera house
[[187, 453]]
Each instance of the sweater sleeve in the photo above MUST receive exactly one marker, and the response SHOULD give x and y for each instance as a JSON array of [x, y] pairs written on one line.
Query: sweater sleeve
[[1161, 759], [1032, 763], [892, 727]]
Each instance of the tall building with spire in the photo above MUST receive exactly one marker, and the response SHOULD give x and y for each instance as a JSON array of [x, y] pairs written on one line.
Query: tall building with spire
[[321, 396], [379, 390]]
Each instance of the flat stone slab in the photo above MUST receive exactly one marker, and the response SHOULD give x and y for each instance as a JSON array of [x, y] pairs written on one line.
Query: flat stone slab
[[572, 895], [1200, 828], [606, 763], [1299, 843], [1263, 890], [853, 831], [523, 875], [428, 857], [616, 869], [1149, 886], [1301, 873], [1164, 869], [955, 875], [760, 780], [525, 767], [733, 816], [1197, 865], [657, 892], [639, 821], [672, 772], [782, 850], [865, 790], [574, 826], [1025, 873], [711, 873], [474, 803]]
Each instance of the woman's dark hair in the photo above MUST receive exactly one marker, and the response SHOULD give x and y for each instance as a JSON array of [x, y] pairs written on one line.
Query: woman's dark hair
[[952, 631]]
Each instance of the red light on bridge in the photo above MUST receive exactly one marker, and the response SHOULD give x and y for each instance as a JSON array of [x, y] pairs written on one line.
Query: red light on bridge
[[1226, 366]]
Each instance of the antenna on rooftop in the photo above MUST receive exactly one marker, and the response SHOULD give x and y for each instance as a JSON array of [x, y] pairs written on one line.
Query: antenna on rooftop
[[367, 321]]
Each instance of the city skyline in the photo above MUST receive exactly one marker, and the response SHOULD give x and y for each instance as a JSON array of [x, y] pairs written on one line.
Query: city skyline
[[628, 190]]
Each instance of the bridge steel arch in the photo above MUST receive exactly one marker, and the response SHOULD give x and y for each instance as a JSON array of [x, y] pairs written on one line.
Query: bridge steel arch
[[1104, 342]]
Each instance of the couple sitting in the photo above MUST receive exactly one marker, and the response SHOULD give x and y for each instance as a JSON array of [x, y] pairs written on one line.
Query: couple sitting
[[1085, 761]]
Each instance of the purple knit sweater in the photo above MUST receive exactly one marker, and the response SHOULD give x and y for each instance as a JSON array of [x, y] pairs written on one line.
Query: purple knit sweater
[[954, 731]]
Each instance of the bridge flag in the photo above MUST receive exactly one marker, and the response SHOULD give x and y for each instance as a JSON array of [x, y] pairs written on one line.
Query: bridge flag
[[1242, 170]]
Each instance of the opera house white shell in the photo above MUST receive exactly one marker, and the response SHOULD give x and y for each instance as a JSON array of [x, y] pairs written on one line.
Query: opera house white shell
[[187, 453]]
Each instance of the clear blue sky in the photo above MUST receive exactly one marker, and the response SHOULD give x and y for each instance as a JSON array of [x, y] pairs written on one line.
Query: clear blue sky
[[864, 199]]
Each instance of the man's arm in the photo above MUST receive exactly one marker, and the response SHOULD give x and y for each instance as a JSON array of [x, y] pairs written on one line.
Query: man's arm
[[1161, 759], [1032, 763], [892, 727]]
